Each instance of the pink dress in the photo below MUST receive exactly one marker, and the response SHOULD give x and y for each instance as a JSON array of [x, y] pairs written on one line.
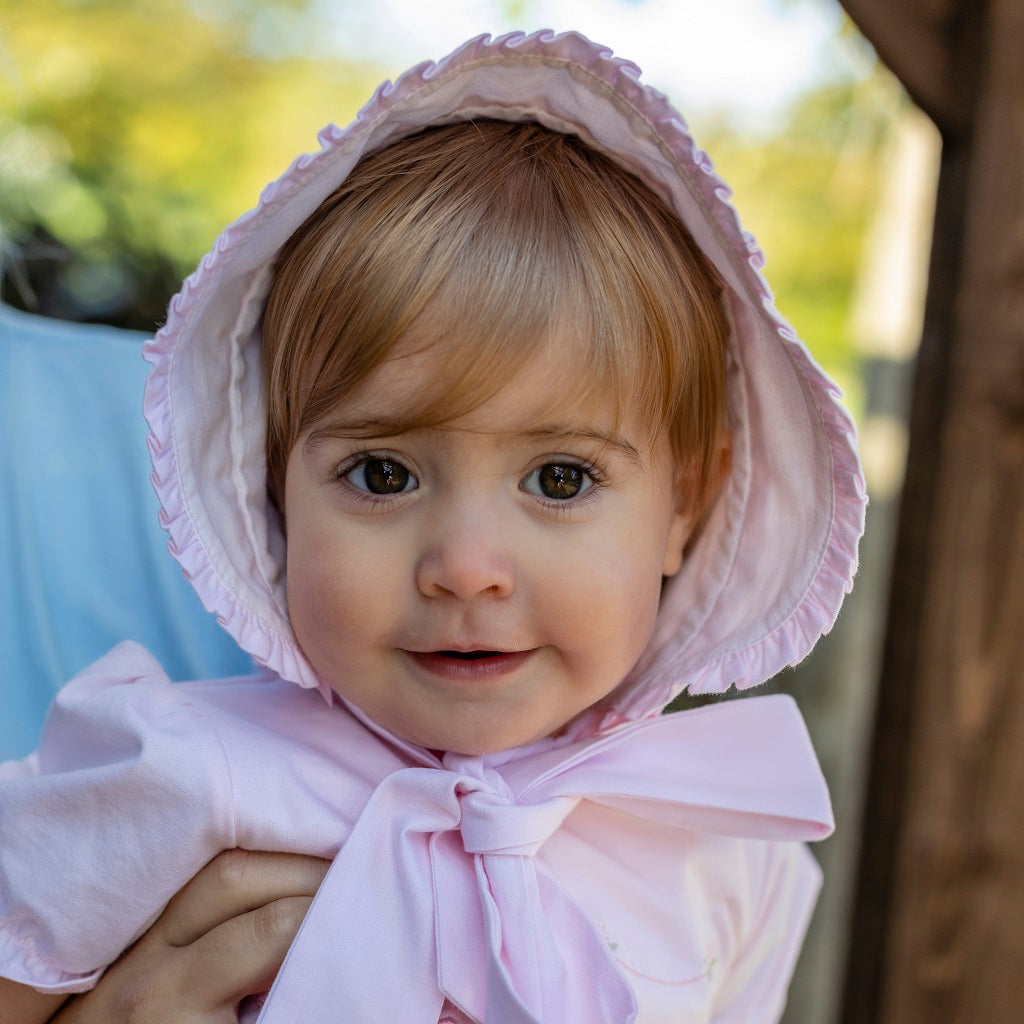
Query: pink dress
[[640, 867], [689, 889]]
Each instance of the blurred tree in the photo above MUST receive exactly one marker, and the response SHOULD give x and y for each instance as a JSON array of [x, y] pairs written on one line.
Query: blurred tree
[[132, 131], [807, 192]]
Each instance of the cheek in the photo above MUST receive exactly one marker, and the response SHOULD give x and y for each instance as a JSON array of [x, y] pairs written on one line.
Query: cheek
[[327, 592], [611, 609], [311, 608], [347, 588]]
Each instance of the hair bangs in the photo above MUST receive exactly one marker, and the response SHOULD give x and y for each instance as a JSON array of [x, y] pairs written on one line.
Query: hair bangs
[[486, 241]]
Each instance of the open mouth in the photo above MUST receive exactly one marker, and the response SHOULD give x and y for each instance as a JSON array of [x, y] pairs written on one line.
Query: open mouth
[[470, 665]]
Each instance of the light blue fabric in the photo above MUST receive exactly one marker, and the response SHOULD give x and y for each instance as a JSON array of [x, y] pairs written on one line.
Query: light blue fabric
[[83, 561]]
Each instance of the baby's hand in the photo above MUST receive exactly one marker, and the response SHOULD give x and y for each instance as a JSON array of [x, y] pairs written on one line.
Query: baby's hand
[[222, 937]]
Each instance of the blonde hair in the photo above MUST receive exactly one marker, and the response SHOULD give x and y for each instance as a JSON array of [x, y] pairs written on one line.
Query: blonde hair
[[487, 237]]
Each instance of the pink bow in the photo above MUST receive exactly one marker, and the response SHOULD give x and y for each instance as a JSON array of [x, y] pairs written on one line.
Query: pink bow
[[437, 893]]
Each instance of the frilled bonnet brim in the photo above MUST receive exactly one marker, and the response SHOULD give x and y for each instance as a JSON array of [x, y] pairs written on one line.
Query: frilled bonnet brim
[[771, 568]]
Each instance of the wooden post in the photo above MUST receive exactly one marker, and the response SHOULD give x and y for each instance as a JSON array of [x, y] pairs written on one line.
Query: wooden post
[[938, 931]]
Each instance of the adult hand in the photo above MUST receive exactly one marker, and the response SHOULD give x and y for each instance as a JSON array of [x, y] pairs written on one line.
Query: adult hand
[[222, 937]]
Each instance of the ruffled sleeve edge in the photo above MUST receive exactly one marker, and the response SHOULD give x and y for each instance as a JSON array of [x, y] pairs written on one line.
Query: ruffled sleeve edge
[[21, 961]]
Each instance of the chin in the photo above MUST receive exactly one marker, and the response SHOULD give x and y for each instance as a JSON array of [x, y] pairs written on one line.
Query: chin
[[478, 746]]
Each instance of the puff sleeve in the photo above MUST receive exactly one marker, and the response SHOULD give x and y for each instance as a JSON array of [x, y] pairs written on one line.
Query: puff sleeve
[[756, 981], [126, 798]]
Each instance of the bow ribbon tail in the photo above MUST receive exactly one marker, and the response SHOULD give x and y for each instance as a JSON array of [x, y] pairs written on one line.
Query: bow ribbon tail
[[515, 949], [550, 951], [743, 768], [462, 955], [329, 974]]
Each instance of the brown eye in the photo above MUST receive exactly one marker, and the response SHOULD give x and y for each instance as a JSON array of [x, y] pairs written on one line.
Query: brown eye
[[558, 481], [381, 476]]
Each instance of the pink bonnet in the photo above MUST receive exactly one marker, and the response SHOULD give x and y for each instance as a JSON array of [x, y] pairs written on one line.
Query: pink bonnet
[[769, 572]]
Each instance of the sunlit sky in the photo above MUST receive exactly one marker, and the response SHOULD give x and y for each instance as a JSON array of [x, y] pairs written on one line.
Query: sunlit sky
[[746, 58]]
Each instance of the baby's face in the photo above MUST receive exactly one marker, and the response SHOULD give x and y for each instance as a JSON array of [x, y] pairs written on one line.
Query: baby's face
[[475, 587]]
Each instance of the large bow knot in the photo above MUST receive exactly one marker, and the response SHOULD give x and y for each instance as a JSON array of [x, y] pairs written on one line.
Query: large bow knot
[[492, 823], [437, 892]]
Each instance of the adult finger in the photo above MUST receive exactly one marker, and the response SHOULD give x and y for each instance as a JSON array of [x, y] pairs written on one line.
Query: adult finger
[[223, 937], [243, 955], [199, 983], [235, 883]]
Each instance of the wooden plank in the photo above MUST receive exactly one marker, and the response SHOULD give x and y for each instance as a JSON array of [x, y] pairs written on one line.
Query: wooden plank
[[917, 40], [939, 926]]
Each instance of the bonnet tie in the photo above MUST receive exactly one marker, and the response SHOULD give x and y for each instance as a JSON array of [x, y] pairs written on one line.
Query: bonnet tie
[[437, 892]]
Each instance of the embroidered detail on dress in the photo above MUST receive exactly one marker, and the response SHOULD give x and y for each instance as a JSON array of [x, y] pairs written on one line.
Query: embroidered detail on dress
[[709, 962]]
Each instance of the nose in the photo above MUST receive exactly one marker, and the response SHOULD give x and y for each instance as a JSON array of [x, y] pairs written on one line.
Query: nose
[[466, 558]]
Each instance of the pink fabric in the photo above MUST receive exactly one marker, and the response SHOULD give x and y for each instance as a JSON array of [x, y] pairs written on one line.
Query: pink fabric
[[476, 879], [636, 866], [768, 574], [440, 869]]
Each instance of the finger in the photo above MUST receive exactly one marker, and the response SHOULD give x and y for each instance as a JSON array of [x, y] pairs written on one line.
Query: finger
[[148, 986], [235, 882], [242, 956], [201, 983]]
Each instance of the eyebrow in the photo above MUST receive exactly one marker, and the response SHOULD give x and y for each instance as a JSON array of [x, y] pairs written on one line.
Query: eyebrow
[[605, 438], [342, 429], [368, 428]]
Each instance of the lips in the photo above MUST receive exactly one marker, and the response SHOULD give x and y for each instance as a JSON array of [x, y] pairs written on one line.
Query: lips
[[471, 665]]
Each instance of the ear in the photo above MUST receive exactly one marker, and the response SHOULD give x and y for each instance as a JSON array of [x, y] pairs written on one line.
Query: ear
[[688, 513], [679, 530], [722, 466], [683, 521]]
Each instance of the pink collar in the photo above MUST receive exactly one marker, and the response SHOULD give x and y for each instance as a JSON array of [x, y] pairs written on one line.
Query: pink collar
[[436, 893]]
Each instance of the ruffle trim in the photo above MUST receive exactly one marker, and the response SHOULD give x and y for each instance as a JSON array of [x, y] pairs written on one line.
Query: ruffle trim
[[267, 645], [789, 641], [814, 615], [23, 963]]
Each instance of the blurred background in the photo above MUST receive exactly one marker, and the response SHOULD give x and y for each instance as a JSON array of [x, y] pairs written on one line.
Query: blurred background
[[133, 131]]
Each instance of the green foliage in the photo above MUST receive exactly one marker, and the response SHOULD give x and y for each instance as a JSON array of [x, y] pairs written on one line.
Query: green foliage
[[132, 131], [807, 193]]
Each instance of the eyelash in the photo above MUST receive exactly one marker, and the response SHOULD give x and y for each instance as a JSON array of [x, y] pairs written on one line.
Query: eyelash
[[566, 506], [369, 500], [558, 506]]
